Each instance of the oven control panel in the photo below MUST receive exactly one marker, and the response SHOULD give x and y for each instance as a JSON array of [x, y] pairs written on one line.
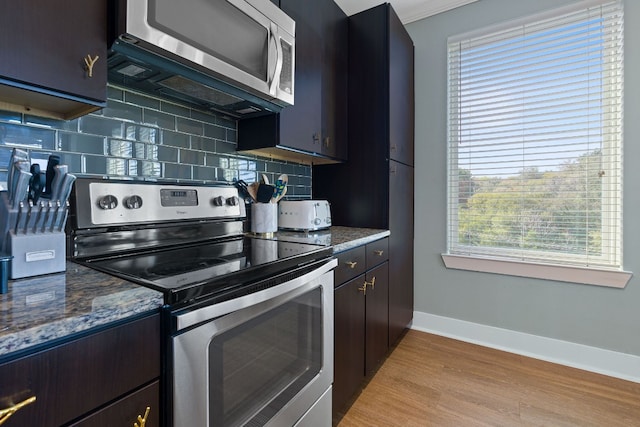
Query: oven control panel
[[103, 203]]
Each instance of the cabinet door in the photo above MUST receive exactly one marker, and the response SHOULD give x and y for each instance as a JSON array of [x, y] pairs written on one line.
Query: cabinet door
[[125, 411], [401, 92], [334, 81], [45, 44], [75, 378], [349, 333], [300, 123], [377, 316], [400, 249]]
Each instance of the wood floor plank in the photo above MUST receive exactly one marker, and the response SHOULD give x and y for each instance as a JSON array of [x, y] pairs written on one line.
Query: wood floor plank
[[433, 381]]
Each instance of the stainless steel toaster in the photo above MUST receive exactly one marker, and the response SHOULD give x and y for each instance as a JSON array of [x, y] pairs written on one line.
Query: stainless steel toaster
[[304, 215]]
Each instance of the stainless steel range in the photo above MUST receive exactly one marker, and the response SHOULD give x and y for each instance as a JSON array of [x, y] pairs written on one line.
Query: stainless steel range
[[249, 321]]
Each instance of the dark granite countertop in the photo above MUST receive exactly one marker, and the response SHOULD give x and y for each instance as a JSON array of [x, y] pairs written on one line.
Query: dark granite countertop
[[42, 309], [341, 238]]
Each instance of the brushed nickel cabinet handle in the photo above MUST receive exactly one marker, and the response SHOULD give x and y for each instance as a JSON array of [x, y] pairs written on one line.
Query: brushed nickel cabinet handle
[[143, 420], [363, 289], [90, 62], [6, 413]]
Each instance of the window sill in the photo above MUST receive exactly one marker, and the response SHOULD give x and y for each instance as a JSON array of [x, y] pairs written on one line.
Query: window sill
[[562, 273]]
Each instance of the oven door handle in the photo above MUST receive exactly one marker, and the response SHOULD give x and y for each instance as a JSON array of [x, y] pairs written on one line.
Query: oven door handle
[[193, 317]]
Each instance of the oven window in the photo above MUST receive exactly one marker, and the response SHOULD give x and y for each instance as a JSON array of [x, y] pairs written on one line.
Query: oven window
[[257, 367]]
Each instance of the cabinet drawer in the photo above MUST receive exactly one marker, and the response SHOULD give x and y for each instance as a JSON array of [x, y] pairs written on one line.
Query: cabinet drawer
[[125, 411], [74, 378], [377, 252], [350, 264]]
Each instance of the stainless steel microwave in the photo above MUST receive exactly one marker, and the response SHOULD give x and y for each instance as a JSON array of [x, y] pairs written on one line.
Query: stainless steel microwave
[[217, 52]]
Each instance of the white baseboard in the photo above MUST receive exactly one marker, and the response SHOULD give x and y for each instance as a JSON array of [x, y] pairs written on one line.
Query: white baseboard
[[593, 359]]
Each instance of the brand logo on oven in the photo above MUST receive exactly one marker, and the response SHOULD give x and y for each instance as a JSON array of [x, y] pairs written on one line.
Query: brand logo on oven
[[181, 212]]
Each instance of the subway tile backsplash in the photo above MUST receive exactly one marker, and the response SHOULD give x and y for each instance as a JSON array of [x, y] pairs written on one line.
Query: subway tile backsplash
[[143, 137]]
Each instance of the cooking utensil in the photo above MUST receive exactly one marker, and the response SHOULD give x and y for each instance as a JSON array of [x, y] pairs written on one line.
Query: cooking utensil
[[36, 183], [21, 187], [17, 155], [280, 188], [53, 161], [59, 172], [265, 192], [27, 220], [244, 188], [252, 189], [20, 208], [265, 179], [55, 217], [65, 188]]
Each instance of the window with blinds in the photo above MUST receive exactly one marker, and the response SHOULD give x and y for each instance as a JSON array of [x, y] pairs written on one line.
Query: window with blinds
[[535, 139]]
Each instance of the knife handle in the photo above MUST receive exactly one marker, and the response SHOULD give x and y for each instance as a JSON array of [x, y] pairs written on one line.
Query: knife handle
[[54, 160]]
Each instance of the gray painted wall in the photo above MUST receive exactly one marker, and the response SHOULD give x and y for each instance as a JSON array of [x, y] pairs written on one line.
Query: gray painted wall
[[595, 316]]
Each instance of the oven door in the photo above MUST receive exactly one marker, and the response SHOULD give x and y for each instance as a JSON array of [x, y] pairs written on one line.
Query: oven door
[[262, 359]]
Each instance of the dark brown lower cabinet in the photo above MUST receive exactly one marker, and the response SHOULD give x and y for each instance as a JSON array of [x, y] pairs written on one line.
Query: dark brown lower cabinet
[[361, 318], [103, 379]]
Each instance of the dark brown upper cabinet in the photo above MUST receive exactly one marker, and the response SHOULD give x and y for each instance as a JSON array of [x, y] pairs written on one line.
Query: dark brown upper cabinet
[[314, 129], [53, 57]]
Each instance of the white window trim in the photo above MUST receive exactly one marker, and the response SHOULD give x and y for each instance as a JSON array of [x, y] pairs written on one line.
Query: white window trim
[[561, 273], [614, 278]]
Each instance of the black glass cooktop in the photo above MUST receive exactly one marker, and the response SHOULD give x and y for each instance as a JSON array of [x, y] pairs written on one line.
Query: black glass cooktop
[[211, 269]]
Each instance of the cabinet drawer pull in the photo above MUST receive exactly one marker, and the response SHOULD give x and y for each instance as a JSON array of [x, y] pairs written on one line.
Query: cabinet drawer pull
[[379, 253], [6, 413], [372, 283], [142, 420], [352, 264], [363, 289], [89, 62]]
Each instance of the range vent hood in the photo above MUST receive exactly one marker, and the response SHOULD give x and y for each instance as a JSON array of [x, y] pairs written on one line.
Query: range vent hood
[[230, 56]]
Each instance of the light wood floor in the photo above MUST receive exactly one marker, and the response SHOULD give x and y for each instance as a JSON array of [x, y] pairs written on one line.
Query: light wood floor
[[434, 381]]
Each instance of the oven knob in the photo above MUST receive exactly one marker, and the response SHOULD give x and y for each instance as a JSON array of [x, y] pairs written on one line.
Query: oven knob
[[133, 202], [108, 202], [232, 201], [218, 201]]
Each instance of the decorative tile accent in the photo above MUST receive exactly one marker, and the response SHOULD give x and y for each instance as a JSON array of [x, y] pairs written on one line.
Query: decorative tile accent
[[139, 135]]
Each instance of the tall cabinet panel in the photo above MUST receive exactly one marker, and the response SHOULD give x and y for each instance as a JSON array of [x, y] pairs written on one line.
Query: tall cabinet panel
[[374, 188], [314, 129]]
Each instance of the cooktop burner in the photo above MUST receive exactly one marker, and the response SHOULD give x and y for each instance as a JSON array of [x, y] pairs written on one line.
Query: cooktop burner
[[211, 268]]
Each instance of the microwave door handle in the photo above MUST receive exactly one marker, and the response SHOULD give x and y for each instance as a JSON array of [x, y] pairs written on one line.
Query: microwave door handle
[[275, 78]]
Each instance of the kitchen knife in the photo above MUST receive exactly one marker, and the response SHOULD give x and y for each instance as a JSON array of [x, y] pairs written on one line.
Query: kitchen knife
[[47, 215], [42, 206], [27, 220], [21, 187], [64, 217], [20, 209], [36, 183], [55, 216], [65, 188], [54, 160], [56, 185]]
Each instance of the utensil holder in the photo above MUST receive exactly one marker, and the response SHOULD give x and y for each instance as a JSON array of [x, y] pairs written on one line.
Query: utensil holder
[[34, 237], [264, 218]]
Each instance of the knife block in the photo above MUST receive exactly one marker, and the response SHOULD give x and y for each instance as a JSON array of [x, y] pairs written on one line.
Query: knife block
[[34, 252]]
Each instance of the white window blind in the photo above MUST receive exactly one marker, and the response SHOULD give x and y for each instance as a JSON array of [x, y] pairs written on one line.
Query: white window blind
[[535, 139]]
